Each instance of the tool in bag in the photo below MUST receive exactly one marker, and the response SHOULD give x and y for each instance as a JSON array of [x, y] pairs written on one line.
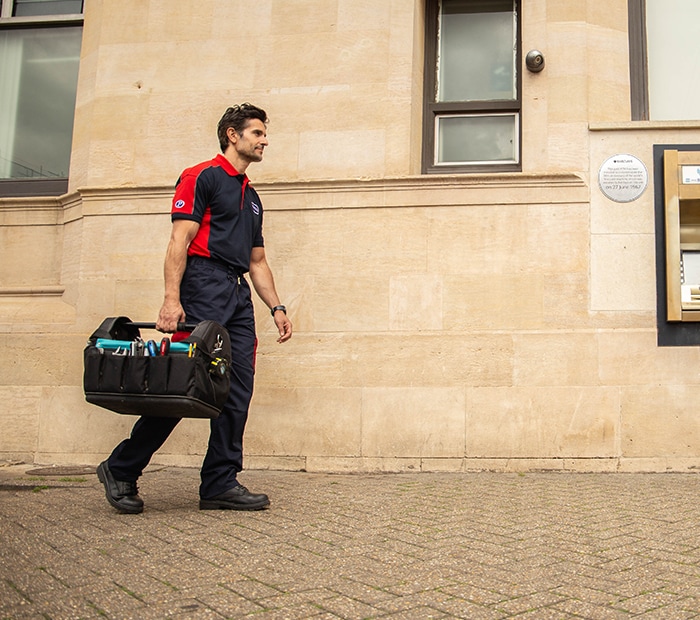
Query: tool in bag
[[185, 379]]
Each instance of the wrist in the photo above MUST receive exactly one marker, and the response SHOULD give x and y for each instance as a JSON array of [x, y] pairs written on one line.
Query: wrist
[[279, 308]]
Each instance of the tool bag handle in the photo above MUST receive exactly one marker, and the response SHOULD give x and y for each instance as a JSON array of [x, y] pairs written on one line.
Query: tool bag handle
[[181, 327]]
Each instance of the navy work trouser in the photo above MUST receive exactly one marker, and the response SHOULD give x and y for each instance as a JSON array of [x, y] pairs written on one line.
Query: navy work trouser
[[208, 291]]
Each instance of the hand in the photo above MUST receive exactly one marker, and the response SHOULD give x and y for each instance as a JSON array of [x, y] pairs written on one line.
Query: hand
[[171, 313], [284, 326]]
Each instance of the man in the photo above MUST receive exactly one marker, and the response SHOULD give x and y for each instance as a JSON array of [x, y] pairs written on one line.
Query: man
[[216, 238]]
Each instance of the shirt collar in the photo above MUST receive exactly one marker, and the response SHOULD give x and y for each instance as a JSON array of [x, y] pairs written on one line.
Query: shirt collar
[[228, 166]]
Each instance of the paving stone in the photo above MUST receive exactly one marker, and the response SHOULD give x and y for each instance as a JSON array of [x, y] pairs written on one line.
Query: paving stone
[[346, 607], [65, 606], [10, 598], [416, 613], [476, 545]]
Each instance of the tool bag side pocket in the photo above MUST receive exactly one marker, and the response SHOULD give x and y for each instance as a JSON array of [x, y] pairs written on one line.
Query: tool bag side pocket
[[93, 369], [135, 375], [112, 373], [158, 371], [182, 374]]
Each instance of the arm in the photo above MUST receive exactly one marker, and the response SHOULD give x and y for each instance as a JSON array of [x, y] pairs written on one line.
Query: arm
[[264, 283], [171, 312]]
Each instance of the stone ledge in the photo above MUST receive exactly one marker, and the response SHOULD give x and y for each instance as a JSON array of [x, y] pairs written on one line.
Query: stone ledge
[[369, 465], [32, 291], [643, 125], [365, 193]]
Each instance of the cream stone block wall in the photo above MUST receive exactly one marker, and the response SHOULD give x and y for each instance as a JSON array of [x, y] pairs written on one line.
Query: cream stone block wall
[[659, 421], [43, 359], [34, 312], [339, 116], [464, 340], [20, 422], [306, 421], [32, 242], [436, 347], [413, 422], [632, 359], [556, 359], [63, 434], [529, 422], [415, 303], [442, 322], [623, 272]]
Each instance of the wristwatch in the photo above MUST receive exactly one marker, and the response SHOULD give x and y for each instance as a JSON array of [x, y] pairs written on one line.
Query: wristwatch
[[276, 308]]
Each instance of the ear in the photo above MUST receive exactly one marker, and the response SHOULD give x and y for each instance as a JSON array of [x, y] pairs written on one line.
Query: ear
[[232, 135]]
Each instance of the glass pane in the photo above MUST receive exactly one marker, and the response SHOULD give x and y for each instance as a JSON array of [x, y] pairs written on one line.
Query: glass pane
[[673, 35], [491, 139], [38, 81], [25, 8], [476, 57]]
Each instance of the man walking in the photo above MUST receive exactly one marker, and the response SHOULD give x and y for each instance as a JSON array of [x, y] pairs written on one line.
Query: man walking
[[216, 239]]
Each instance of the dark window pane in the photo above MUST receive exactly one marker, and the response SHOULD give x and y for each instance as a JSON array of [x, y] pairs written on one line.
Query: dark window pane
[[476, 59], [38, 80], [27, 8], [484, 139]]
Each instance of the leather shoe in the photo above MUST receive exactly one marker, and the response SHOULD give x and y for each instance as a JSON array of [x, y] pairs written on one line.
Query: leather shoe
[[237, 498], [124, 496]]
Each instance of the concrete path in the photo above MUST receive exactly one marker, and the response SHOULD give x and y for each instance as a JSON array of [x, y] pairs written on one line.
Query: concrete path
[[414, 546]]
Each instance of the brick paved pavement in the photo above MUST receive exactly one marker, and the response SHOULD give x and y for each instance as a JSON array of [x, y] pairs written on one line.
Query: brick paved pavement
[[413, 546]]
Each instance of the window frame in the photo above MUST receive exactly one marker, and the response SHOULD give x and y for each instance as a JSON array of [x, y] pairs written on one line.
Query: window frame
[[36, 186], [639, 72], [6, 18], [431, 108]]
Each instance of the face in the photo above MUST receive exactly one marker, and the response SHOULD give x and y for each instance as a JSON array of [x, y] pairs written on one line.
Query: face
[[252, 143]]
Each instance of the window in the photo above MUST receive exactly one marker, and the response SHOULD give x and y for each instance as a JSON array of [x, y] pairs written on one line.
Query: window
[[39, 57], [664, 72], [471, 118]]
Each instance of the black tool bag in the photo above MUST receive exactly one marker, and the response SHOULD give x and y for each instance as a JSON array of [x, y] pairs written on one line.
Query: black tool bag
[[186, 379]]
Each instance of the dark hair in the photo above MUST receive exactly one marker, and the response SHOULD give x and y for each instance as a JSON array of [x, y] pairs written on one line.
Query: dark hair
[[237, 117]]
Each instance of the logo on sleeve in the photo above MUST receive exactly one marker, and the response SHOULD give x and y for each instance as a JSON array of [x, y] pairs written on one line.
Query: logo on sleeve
[[179, 204], [256, 208]]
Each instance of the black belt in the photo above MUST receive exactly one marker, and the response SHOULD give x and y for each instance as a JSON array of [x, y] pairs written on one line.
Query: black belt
[[218, 264]]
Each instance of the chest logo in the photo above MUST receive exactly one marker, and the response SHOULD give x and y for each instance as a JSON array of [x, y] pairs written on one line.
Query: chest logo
[[179, 204], [256, 208]]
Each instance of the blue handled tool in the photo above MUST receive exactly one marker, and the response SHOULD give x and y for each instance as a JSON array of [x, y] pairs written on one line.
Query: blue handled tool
[[108, 344]]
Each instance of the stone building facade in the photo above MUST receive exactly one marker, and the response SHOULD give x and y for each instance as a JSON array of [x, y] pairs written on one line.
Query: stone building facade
[[498, 319]]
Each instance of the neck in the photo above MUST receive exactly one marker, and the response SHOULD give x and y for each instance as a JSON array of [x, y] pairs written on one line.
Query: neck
[[240, 164]]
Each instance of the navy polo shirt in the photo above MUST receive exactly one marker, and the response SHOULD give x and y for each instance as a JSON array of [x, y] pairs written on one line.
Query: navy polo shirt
[[227, 208]]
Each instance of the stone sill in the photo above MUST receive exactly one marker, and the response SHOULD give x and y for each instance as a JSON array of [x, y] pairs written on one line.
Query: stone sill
[[644, 126]]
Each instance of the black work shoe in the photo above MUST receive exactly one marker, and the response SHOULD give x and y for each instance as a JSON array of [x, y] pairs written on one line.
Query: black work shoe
[[237, 498], [124, 496]]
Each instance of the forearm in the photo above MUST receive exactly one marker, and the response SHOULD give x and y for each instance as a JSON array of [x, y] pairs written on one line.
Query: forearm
[[174, 269], [264, 283]]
